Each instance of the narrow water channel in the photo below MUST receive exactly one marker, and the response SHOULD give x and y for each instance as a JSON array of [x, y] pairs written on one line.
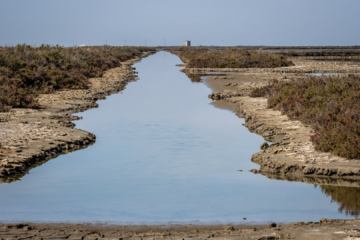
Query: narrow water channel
[[163, 154]]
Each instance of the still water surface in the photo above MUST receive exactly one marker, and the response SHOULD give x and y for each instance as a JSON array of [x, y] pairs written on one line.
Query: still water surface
[[163, 154]]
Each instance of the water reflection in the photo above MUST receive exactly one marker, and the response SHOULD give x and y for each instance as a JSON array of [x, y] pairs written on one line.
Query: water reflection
[[195, 77], [17, 177], [348, 198], [163, 153], [344, 192]]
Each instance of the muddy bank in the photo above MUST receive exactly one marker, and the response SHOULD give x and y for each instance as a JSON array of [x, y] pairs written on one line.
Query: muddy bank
[[28, 137], [324, 229], [291, 151]]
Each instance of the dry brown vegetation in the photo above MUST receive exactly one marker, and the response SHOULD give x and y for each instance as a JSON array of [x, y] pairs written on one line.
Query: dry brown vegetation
[[337, 53], [26, 71], [200, 57], [330, 104]]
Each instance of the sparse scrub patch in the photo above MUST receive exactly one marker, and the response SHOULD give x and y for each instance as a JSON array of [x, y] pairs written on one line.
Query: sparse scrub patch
[[229, 58], [26, 71], [330, 104]]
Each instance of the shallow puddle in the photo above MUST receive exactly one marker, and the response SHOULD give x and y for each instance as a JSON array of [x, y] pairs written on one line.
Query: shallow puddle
[[164, 154]]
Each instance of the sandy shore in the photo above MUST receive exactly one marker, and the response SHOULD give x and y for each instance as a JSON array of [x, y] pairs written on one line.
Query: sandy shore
[[30, 137], [325, 229]]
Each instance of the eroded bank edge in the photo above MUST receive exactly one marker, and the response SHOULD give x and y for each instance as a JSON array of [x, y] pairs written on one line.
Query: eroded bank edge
[[292, 153], [54, 120]]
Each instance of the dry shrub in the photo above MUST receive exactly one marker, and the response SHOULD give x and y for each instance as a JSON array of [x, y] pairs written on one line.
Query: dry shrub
[[324, 53], [266, 91], [229, 58], [330, 104], [26, 71]]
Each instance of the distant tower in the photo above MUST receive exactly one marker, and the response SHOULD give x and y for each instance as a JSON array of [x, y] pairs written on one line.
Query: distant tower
[[187, 43], [222, 43]]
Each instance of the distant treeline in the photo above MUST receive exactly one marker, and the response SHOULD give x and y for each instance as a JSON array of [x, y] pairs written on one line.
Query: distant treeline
[[26, 71], [202, 57], [330, 104]]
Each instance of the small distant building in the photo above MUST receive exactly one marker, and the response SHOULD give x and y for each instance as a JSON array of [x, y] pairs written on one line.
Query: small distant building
[[187, 43]]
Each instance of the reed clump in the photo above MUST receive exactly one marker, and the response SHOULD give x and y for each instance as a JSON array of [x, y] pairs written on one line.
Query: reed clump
[[330, 104], [26, 71], [230, 58]]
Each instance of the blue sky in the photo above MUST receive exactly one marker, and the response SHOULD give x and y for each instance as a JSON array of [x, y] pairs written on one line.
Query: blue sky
[[204, 22]]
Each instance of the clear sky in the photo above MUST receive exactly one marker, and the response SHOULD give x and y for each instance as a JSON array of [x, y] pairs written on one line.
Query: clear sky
[[204, 22]]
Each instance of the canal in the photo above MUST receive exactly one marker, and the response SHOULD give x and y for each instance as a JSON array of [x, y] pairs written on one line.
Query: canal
[[164, 154]]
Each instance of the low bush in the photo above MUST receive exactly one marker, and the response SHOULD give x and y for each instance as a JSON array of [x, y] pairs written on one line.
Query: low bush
[[26, 71], [229, 58], [330, 104], [265, 91]]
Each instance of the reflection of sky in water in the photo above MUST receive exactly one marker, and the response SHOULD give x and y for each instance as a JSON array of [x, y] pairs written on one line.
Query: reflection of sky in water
[[162, 153]]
